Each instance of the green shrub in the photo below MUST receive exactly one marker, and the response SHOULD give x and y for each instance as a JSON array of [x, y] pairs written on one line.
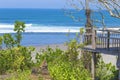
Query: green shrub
[[12, 41], [8, 40], [86, 59], [65, 65], [19, 27], [73, 50], [49, 55], [65, 70], [106, 71], [15, 59], [62, 65]]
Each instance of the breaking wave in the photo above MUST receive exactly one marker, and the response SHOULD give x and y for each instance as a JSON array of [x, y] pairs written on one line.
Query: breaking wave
[[8, 28]]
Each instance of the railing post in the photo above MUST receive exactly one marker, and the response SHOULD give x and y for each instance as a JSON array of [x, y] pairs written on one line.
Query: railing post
[[118, 65], [93, 65], [108, 40], [93, 53], [119, 74], [88, 35]]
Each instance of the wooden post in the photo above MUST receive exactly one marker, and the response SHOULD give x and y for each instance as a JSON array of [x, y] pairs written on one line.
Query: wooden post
[[118, 65], [93, 39], [108, 40], [93, 65], [93, 53], [119, 74]]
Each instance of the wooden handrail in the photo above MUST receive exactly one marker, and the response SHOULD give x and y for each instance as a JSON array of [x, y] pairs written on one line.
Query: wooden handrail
[[115, 31]]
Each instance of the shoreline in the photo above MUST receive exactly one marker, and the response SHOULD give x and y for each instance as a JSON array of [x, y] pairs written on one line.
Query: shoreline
[[53, 46]]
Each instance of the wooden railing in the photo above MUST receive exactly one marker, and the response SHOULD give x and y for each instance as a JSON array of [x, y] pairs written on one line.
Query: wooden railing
[[104, 39], [108, 39]]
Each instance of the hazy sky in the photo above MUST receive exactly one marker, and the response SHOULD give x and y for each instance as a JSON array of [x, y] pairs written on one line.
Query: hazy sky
[[54, 4], [32, 3]]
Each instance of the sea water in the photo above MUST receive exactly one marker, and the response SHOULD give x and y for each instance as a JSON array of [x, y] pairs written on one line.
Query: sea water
[[50, 26]]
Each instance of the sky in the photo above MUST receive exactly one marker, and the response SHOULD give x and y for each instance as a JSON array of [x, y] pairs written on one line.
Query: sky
[[32, 4], [44, 4]]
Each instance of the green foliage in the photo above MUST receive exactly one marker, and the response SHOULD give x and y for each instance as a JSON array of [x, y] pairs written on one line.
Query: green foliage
[[60, 68], [11, 41], [49, 55], [81, 31], [20, 75], [86, 59], [17, 58], [1, 40], [73, 49], [63, 69], [65, 65], [26, 52], [62, 65], [81, 34], [8, 40], [19, 28], [106, 71]]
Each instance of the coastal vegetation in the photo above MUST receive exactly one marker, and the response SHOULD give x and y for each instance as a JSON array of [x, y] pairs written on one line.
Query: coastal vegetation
[[16, 61]]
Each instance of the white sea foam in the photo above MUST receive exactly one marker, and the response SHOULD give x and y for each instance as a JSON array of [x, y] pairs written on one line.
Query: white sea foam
[[7, 28]]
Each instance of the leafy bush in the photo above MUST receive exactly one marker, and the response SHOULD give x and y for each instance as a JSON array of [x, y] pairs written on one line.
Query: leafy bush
[[73, 50], [8, 40], [19, 27], [86, 59], [106, 71], [15, 59], [11, 41], [65, 70], [64, 65], [49, 55]]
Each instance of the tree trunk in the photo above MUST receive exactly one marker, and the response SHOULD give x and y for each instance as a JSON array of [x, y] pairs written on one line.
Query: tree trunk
[[88, 22]]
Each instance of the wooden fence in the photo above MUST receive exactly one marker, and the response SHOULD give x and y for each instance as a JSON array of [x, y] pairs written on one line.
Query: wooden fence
[[108, 39]]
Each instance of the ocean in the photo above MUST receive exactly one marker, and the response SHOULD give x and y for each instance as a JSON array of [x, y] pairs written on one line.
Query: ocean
[[50, 26]]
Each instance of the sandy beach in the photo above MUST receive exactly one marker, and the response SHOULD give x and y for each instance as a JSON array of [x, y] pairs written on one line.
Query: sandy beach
[[53, 46]]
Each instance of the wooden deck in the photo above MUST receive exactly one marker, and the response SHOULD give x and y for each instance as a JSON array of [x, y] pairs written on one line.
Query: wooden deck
[[110, 51], [105, 42]]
